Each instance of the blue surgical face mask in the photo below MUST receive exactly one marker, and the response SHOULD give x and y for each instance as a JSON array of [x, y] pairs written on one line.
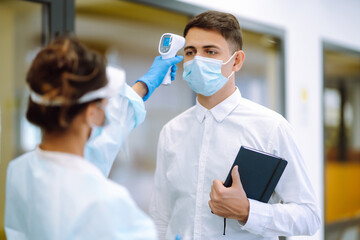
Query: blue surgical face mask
[[204, 75]]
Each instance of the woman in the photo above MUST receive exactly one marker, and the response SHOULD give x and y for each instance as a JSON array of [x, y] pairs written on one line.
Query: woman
[[53, 192]]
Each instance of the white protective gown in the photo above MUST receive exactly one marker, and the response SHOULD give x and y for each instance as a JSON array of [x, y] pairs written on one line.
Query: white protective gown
[[52, 195]]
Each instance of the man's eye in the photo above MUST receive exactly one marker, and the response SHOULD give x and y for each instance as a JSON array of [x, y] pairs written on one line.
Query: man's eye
[[211, 52], [189, 53]]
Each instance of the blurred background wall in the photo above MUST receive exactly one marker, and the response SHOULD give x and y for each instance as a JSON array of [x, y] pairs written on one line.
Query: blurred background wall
[[302, 60]]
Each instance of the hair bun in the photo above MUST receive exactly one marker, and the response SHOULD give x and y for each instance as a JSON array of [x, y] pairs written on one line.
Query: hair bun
[[65, 68]]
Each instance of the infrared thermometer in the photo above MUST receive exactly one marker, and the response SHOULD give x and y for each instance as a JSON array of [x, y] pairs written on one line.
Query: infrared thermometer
[[169, 45]]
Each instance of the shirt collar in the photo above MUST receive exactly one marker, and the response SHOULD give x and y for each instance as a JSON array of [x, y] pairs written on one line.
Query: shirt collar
[[220, 111]]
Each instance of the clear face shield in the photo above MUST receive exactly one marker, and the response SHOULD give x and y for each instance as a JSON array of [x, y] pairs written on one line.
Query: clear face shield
[[109, 139]]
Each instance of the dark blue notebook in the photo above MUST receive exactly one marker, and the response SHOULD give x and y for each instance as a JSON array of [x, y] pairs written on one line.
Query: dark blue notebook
[[259, 173]]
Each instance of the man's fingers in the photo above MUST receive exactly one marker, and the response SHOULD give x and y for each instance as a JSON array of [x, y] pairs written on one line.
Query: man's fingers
[[211, 205], [217, 184], [218, 187], [236, 177], [213, 192]]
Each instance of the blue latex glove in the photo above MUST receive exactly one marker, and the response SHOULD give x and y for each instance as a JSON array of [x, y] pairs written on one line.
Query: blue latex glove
[[154, 77], [178, 237]]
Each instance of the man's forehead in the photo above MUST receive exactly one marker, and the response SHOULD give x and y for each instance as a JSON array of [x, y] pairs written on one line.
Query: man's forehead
[[198, 37]]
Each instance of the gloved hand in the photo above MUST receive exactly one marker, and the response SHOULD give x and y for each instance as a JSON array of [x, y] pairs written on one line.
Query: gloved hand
[[177, 237], [154, 77]]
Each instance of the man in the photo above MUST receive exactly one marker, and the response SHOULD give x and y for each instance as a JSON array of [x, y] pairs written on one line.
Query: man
[[198, 147]]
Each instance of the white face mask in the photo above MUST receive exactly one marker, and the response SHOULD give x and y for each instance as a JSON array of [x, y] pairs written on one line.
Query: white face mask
[[204, 74]]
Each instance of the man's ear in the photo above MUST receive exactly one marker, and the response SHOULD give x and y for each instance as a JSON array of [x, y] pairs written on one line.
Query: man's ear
[[239, 60]]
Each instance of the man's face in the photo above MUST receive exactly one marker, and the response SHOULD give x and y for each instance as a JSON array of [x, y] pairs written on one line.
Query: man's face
[[209, 44]]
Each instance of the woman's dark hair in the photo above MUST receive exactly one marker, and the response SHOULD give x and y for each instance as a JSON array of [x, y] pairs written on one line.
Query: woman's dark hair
[[224, 23], [65, 68]]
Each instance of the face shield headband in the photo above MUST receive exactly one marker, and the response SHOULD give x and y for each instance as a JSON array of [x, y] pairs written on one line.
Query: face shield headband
[[115, 77]]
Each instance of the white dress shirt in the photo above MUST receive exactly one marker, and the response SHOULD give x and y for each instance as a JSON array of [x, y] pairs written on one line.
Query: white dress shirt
[[200, 145]]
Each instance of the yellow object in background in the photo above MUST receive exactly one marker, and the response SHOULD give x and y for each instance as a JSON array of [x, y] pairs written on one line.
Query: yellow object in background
[[342, 191]]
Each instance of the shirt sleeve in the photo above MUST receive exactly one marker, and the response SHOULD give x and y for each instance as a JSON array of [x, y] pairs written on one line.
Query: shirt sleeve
[[159, 208], [124, 112], [298, 212]]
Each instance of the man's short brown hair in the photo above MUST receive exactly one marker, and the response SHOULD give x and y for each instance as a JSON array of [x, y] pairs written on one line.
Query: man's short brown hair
[[224, 23]]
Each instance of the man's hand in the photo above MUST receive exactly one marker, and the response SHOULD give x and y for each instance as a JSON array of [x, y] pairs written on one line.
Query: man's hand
[[230, 202]]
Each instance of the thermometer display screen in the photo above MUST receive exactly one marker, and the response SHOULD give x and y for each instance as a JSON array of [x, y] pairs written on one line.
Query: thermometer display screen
[[166, 41]]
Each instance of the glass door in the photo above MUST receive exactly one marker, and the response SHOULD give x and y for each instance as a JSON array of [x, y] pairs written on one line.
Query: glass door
[[25, 26], [21, 38], [342, 142]]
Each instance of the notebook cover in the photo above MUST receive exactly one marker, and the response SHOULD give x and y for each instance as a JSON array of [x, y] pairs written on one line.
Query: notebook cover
[[259, 173]]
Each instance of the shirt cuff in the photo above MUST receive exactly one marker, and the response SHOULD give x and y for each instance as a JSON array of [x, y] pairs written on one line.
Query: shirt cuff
[[260, 216]]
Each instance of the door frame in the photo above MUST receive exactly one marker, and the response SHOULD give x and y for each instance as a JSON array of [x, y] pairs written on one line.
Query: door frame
[[58, 17]]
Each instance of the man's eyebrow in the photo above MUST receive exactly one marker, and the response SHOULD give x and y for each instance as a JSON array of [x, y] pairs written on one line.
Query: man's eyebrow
[[211, 46], [204, 47], [189, 47]]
